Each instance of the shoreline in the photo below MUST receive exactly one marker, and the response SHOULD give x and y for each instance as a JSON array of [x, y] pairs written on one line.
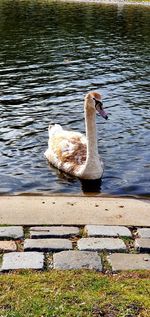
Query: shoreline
[[73, 210], [110, 2]]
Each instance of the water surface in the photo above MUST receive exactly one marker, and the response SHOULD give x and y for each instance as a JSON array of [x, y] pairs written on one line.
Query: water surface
[[51, 55]]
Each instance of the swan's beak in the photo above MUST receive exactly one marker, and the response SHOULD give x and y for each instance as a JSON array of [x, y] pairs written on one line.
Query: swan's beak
[[101, 111]]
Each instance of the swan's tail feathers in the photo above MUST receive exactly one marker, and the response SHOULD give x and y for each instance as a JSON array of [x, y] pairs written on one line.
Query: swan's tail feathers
[[46, 153], [50, 126], [53, 129]]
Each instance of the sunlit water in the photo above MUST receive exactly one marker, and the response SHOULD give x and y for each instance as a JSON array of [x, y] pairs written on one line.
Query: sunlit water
[[51, 55]]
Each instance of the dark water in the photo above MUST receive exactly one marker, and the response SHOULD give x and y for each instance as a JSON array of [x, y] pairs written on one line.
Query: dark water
[[51, 54]]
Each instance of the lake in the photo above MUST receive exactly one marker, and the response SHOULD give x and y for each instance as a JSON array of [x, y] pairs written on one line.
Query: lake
[[51, 55]]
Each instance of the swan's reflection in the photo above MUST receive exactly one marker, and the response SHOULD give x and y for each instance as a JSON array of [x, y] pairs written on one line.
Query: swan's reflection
[[91, 185]]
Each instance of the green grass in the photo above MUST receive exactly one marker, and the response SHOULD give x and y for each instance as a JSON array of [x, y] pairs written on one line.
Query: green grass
[[74, 294]]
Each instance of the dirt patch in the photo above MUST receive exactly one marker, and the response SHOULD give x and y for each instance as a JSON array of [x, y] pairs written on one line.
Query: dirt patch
[[106, 311], [132, 310]]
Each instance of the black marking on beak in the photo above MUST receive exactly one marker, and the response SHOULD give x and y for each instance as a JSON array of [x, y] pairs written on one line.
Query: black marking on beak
[[99, 108], [98, 103]]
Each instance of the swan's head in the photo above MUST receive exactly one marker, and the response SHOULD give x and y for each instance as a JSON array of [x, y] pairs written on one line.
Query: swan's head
[[93, 102]]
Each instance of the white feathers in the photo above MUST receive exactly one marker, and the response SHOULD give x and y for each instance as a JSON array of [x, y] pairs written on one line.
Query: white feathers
[[54, 129]]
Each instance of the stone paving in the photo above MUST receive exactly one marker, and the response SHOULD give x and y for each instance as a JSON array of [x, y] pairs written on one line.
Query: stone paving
[[102, 248]]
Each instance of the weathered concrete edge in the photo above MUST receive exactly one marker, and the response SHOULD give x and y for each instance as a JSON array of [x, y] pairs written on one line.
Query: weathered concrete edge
[[73, 210], [120, 3]]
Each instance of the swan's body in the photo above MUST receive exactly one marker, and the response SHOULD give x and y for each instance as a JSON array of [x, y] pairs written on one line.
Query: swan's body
[[73, 152]]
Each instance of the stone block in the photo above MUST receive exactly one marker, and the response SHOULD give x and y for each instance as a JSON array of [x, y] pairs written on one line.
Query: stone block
[[11, 232], [143, 232], [122, 261], [68, 260], [53, 232], [22, 260], [47, 245], [107, 231], [99, 244], [142, 245], [7, 246]]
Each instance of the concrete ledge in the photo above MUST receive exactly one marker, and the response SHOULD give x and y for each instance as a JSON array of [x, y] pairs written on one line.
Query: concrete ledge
[[73, 210], [111, 2]]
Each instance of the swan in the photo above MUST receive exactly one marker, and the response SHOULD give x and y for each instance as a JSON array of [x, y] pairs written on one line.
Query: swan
[[74, 153]]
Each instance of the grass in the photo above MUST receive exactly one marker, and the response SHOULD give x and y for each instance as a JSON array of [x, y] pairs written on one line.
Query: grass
[[74, 294]]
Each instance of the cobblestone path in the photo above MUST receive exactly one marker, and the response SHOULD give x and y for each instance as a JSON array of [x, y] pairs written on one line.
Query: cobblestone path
[[102, 248]]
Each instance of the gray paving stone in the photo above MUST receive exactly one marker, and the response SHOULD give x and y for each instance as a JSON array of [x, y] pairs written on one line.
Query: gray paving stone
[[143, 232], [142, 245], [107, 231], [122, 261], [11, 232], [53, 232], [99, 244], [47, 245], [7, 246], [68, 260], [22, 260]]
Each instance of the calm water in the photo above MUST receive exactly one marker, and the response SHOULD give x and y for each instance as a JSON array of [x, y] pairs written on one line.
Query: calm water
[[51, 54]]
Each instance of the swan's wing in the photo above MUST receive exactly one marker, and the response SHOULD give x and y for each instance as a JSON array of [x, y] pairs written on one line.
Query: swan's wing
[[66, 149]]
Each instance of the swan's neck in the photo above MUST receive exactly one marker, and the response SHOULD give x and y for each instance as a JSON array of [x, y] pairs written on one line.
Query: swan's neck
[[92, 167], [91, 135]]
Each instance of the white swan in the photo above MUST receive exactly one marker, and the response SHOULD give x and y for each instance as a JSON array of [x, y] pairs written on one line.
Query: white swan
[[74, 153]]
